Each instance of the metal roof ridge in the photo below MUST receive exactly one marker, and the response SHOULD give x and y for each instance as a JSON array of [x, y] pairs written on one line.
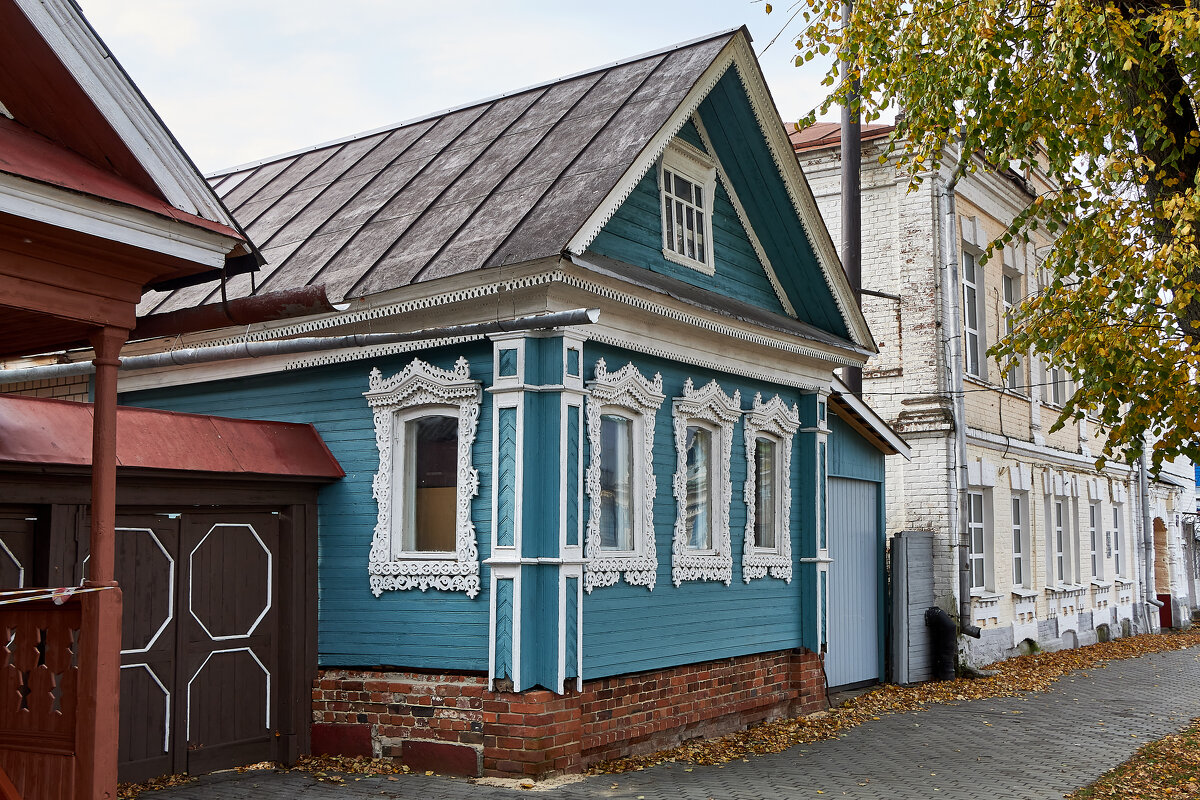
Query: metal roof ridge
[[220, 173]]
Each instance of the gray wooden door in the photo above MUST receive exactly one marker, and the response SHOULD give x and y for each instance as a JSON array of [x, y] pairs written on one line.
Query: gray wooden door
[[853, 655]]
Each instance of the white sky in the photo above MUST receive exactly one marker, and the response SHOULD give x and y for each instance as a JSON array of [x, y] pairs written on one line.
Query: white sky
[[239, 80]]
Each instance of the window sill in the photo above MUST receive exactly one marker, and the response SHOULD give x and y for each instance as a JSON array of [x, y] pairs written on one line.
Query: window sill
[[1022, 593], [690, 263], [984, 383], [1099, 584], [985, 596]]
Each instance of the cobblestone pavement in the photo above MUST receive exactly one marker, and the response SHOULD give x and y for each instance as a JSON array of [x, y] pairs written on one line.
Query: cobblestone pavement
[[1037, 746]]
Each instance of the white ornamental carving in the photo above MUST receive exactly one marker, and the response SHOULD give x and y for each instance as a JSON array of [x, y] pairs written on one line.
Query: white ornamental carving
[[775, 419], [628, 390], [708, 404], [421, 384]]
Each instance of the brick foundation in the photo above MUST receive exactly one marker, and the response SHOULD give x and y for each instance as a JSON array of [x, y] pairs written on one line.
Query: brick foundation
[[454, 724]]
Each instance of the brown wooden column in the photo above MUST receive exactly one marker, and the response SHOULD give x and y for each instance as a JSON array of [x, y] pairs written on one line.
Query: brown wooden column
[[100, 637]]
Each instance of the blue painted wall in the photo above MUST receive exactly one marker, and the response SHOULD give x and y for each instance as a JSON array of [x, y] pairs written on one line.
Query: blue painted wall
[[424, 630], [634, 235], [627, 628], [851, 455], [739, 145]]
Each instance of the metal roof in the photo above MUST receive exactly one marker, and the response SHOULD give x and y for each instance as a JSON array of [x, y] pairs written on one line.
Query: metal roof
[[502, 181], [59, 432], [829, 134]]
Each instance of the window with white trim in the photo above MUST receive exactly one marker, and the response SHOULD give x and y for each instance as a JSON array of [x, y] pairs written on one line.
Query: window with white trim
[[1014, 378], [703, 420], [1094, 542], [687, 181], [426, 419], [1118, 550], [974, 334], [769, 430], [978, 541], [1058, 534], [621, 409], [1020, 539]]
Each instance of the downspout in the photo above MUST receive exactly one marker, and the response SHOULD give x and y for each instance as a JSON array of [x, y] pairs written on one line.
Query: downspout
[[1147, 540], [952, 325]]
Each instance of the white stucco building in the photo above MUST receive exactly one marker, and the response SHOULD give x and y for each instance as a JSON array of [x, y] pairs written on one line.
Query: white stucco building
[[1055, 552]]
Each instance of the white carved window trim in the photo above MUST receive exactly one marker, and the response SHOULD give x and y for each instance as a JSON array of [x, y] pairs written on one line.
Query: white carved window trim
[[626, 392], [712, 408], [695, 166], [421, 386], [773, 420]]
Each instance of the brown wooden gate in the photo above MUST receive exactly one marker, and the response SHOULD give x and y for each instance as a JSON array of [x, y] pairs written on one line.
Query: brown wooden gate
[[199, 657]]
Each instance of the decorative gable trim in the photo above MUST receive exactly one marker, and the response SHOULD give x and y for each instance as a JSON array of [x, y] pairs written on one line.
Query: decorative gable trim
[[774, 418], [708, 404], [626, 389], [422, 384], [739, 54]]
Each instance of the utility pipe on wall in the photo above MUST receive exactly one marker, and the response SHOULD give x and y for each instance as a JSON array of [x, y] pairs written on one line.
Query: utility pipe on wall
[[1147, 541], [952, 326], [202, 355], [851, 194]]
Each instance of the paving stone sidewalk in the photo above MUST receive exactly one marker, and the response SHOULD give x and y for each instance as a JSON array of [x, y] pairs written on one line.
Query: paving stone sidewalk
[[1037, 746]]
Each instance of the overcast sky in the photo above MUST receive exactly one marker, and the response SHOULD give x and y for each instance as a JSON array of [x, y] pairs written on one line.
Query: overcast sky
[[240, 80]]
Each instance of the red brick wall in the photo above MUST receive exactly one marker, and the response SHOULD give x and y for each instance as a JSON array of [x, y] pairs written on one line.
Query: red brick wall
[[453, 724]]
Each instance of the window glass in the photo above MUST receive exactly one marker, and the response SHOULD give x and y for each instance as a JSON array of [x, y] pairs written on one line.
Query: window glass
[[1013, 379], [431, 477], [616, 482], [698, 520], [1018, 532], [1059, 559], [975, 531], [683, 216], [764, 492], [974, 334]]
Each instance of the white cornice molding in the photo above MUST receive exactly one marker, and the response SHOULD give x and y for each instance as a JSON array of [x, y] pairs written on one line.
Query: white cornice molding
[[1027, 450], [119, 223], [112, 92]]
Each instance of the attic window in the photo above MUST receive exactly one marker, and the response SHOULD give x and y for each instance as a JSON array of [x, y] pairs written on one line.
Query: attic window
[[687, 179]]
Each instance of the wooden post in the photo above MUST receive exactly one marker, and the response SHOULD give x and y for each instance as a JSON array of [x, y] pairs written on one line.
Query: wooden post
[[100, 636]]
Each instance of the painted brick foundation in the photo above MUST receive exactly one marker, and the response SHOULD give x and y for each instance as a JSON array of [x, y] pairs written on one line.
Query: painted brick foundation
[[454, 724]]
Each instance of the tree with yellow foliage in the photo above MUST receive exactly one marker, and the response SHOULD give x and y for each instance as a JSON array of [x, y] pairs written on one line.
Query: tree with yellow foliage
[[1103, 97]]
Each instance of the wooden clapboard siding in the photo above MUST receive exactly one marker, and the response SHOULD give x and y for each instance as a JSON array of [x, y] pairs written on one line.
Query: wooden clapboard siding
[[627, 628], [851, 455], [421, 630], [739, 145], [634, 235]]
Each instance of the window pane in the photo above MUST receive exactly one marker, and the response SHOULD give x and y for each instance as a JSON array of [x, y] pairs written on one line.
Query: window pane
[[700, 255], [616, 483], [764, 493], [431, 477], [698, 521], [691, 233]]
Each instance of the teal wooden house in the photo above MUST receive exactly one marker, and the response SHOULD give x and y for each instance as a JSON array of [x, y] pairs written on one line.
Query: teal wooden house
[[565, 543]]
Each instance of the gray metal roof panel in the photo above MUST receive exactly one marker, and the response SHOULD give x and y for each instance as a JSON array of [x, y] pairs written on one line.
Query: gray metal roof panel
[[503, 180]]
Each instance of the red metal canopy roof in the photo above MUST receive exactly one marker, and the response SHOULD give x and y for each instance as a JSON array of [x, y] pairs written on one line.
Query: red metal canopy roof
[[42, 431], [829, 134]]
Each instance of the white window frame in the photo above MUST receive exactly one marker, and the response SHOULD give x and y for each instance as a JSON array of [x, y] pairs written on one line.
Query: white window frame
[[974, 338], [1120, 566], [980, 560], [772, 420], [1019, 521], [422, 389], [1058, 541], [693, 165], [627, 393], [1095, 540], [1010, 290], [708, 407]]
